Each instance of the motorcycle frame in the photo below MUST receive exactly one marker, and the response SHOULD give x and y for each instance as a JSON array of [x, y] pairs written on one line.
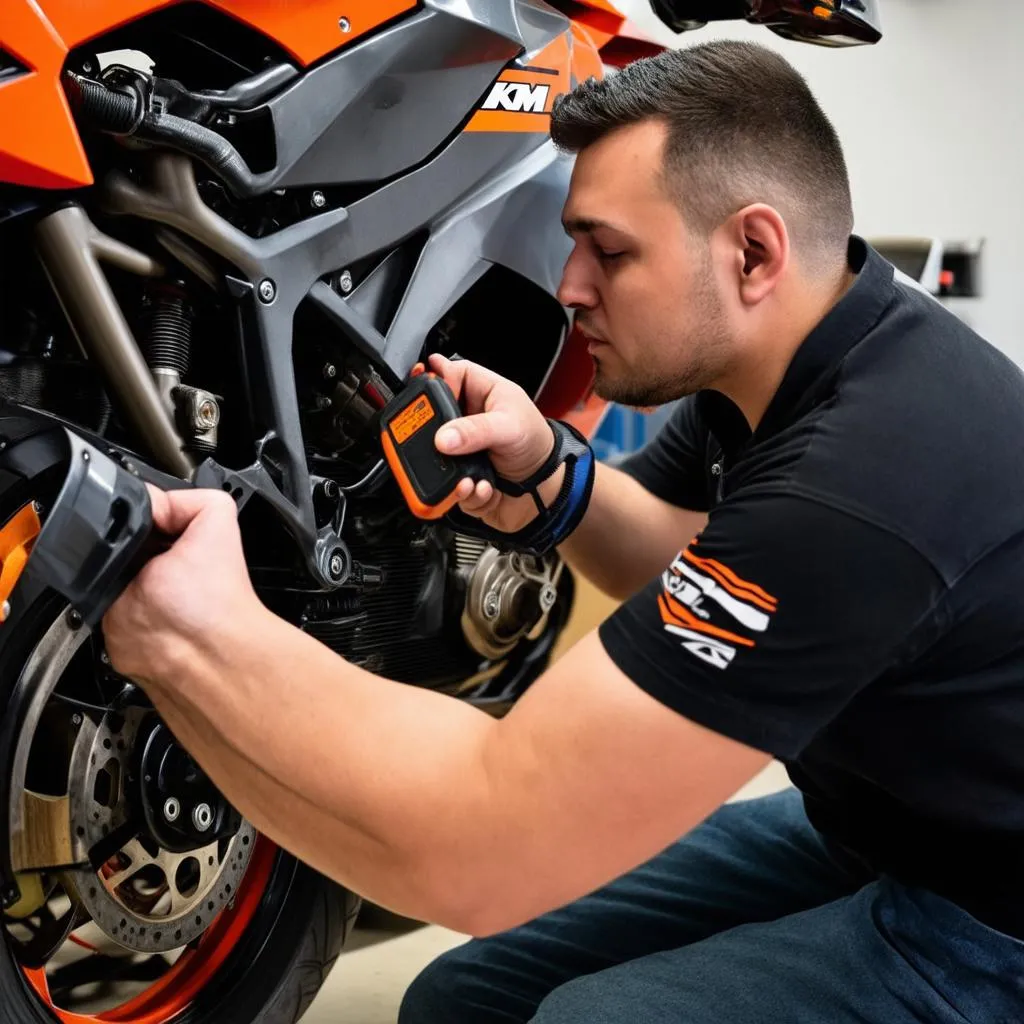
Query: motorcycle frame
[[467, 195]]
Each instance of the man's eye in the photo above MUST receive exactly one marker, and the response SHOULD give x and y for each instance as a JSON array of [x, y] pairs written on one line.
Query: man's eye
[[608, 256]]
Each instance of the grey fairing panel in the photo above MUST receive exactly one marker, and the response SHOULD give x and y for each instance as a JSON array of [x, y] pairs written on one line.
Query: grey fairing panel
[[514, 222], [388, 102]]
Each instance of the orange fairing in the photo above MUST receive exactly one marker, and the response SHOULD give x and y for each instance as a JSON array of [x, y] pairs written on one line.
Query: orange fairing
[[308, 30], [602, 5], [39, 144], [586, 60]]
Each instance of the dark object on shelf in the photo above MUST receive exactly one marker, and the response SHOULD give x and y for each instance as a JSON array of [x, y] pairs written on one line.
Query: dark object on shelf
[[961, 270]]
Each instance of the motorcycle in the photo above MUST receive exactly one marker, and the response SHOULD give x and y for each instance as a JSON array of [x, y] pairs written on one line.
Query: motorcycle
[[255, 218]]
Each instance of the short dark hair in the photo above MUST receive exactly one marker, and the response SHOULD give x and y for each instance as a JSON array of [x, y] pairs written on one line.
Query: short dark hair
[[743, 127]]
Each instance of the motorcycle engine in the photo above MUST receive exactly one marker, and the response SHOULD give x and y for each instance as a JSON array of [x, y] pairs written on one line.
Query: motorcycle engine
[[429, 606], [422, 603]]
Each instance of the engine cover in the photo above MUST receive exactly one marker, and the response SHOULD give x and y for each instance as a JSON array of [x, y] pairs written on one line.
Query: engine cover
[[433, 607]]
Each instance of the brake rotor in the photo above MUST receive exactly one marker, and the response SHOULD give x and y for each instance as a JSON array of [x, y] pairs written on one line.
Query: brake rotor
[[144, 897]]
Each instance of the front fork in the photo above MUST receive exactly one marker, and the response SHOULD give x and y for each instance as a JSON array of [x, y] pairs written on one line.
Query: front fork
[[97, 534]]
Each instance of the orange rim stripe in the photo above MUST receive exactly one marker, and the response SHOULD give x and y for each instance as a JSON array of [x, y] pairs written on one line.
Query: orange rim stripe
[[167, 997]]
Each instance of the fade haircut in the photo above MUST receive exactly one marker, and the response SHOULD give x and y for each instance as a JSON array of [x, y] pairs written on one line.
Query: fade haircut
[[743, 127]]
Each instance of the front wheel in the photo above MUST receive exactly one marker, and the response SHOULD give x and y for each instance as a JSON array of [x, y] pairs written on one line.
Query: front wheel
[[116, 920]]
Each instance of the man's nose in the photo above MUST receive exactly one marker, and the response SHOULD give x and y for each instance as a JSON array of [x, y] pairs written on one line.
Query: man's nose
[[576, 289]]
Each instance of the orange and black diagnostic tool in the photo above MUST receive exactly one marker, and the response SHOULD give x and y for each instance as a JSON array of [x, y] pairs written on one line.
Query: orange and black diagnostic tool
[[408, 426]]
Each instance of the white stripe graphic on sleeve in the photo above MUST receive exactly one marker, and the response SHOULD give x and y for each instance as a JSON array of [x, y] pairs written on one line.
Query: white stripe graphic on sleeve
[[750, 617], [714, 652]]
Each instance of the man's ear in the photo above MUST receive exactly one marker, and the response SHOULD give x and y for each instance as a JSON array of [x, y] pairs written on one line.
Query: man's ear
[[758, 243]]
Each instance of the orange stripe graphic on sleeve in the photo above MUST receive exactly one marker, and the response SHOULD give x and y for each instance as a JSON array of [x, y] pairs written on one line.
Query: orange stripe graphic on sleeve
[[675, 614], [736, 586]]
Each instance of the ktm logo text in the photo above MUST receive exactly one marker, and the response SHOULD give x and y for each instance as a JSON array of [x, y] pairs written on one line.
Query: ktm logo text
[[697, 593], [517, 97]]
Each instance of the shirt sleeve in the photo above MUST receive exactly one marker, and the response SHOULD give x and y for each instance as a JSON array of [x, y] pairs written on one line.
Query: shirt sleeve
[[773, 619], [673, 466]]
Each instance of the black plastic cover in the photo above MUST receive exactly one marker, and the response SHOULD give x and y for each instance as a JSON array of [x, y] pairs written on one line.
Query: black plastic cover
[[823, 22], [97, 535]]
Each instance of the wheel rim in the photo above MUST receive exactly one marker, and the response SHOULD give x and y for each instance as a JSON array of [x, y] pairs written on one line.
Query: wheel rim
[[173, 993], [178, 985]]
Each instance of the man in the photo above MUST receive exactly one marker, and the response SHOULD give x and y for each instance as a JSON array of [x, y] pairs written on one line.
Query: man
[[851, 605]]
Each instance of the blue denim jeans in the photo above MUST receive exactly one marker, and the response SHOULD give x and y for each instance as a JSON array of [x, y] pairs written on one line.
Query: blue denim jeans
[[749, 919]]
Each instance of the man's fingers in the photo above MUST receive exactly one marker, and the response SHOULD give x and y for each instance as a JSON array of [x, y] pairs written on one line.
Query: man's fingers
[[481, 509], [174, 511], [478, 433], [476, 498], [468, 380]]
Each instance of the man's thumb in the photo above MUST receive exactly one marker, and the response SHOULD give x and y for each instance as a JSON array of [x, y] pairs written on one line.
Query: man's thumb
[[480, 432], [173, 511]]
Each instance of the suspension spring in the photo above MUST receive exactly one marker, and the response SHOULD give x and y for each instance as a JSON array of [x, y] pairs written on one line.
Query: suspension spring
[[169, 341]]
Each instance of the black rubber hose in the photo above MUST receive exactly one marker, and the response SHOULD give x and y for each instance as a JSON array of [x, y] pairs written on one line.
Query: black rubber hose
[[121, 113], [206, 145], [110, 110]]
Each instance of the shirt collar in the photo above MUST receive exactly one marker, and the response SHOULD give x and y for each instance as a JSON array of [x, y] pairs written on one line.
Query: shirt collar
[[844, 326]]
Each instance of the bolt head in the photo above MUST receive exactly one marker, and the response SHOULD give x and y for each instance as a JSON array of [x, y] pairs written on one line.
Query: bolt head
[[267, 290], [345, 282], [76, 719], [318, 200], [5, 611], [491, 605], [337, 566], [202, 817], [330, 371], [205, 413], [548, 595], [345, 25], [171, 809]]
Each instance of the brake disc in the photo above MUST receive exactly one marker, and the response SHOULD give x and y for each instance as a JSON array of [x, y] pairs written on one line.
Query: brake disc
[[146, 898]]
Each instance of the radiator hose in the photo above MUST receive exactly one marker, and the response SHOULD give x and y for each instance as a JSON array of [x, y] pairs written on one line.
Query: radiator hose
[[116, 110]]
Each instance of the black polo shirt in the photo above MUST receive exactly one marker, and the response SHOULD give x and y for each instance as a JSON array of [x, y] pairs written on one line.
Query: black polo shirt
[[855, 604]]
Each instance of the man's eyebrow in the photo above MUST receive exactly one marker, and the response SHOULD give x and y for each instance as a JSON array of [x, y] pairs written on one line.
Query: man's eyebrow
[[586, 225]]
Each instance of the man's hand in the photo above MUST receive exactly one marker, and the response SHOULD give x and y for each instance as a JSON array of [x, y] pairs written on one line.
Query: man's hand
[[503, 421], [187, 597]]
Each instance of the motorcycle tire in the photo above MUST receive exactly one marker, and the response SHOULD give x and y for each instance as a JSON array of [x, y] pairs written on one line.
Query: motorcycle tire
[[296, 923]]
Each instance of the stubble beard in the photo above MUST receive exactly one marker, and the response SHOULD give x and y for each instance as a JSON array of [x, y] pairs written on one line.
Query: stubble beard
[[658, 385], [648, 391]]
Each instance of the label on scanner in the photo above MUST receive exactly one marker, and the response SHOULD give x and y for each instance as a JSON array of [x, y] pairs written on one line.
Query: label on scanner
[[413, 417]]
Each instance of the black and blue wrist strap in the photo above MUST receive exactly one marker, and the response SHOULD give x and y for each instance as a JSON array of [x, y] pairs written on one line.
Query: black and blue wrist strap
[[554, 522]]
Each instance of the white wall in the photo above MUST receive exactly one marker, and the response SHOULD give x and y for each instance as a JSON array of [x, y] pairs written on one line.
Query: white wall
[[931, 121]]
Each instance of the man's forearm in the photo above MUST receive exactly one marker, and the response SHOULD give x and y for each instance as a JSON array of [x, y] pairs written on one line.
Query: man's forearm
[[627, 536], [269, 805], [391, 808]]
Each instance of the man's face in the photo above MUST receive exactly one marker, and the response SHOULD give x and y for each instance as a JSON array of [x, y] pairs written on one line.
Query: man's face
[[641, 284]]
